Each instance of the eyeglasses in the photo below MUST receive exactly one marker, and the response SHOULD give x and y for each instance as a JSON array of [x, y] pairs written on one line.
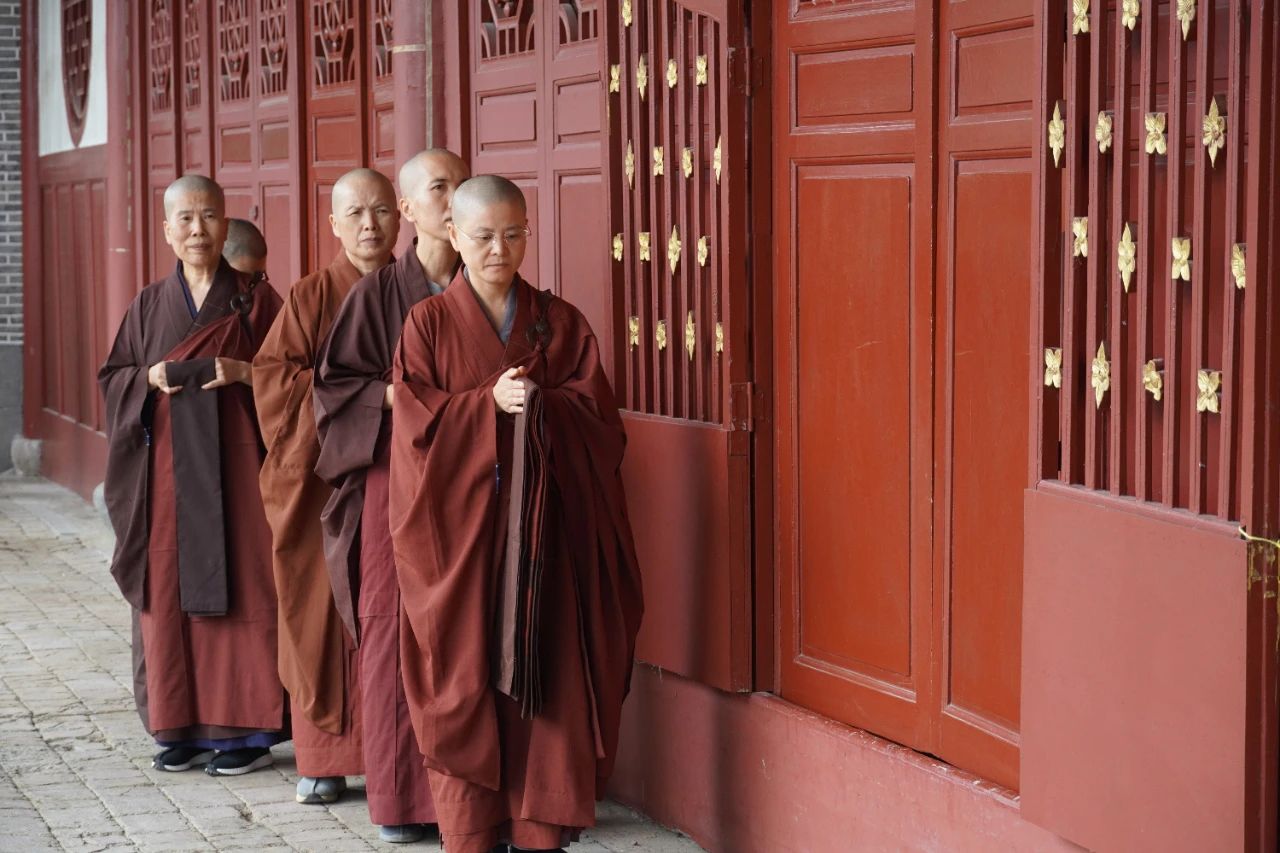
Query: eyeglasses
[[511, 237]]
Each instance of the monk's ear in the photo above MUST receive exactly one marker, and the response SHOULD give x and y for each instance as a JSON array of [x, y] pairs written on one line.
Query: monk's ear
[[333, 223], [453, 236], [406, 210]]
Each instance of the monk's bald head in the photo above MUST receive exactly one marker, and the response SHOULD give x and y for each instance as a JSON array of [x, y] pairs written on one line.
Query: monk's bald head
[[486, 191], [427, 183], [365, 219], [245, 249], [433, 164], [192, 185], [362, 182]]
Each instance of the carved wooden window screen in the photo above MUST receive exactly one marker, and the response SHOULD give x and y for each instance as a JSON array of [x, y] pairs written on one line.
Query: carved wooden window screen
[[671, 114], [1145, 262], [234, 35], [380, 30], [273, 46], [77, 36], [334, 49], [506, 28], [191, 54], [579, 21], [160, 54]]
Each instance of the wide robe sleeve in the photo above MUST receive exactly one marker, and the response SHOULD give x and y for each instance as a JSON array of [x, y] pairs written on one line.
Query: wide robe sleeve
[[123, 381], [282, 375], [583, 440], [442, 505]]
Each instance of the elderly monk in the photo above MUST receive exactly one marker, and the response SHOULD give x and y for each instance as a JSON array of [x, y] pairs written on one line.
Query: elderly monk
[[317, 658], [245, 249], [516, 563], [193, 550], [352, 399]]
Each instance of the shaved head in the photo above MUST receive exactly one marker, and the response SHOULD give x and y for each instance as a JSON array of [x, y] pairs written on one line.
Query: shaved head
[[359, 182], [422, 167], [191, 185], [485, 191], [245, 249]]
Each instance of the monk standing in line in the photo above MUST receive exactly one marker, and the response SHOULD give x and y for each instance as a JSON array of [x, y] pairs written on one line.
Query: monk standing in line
[[317, 657], [245, 249], [193, 550], [352, 402], [516, 563]]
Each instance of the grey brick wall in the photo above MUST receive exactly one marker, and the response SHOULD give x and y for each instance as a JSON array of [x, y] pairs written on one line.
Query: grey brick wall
[[10, 177], [10, 227]]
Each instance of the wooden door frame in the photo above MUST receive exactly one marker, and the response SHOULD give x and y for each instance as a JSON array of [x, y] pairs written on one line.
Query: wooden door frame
[[760, 190]]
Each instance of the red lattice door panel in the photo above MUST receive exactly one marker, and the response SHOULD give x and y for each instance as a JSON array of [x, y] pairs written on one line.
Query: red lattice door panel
[[679, 242]]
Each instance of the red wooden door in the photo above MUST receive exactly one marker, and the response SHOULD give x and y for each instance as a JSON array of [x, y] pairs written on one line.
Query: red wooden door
[[349, 116], [222, 100], [544, 86], [853, 139], [901, 309], [256, 125], [533, 111], [982, 346]]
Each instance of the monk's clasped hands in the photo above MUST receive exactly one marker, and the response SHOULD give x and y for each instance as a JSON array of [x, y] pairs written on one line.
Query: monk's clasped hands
[[510, 390], [229, 370]]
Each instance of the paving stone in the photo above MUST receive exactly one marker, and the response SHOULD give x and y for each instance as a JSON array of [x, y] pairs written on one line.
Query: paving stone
[[75, 763]]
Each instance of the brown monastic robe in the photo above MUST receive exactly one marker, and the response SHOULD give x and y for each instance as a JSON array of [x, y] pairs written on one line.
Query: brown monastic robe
[[317, 659], [193, 548], [495, 774], [352, 373]]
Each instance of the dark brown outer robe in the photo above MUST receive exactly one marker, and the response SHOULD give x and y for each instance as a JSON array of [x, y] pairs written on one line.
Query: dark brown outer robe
[[496, 776], [352, 373], [204, 676], [316, 659]]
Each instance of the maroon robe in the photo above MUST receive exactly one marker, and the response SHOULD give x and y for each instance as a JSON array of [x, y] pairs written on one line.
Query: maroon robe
[[352, 372], [497, 775], [193, 551], [317, 658]]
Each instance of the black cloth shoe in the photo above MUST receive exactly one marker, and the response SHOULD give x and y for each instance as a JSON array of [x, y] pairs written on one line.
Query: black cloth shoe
[[178, 758], [237, 762]]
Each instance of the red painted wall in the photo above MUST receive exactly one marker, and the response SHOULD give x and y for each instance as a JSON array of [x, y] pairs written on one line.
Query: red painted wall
[[753, 773]]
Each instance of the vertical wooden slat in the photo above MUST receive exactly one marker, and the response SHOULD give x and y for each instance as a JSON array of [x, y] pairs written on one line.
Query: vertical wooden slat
[[1127, 369], [1046, 421], [718, 237], [654, 29], [1146, 275], [1228, 499], [1076, 357], [1201, 248], [1095, 291], [1173, 476]]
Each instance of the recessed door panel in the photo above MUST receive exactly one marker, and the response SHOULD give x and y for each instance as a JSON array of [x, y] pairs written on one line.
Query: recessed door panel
[[853, 419]]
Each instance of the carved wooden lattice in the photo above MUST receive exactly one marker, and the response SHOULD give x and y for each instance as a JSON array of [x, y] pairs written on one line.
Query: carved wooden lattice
[[506, 28], [334, 48], [160, 51], [233, 49], [579, 21], [77, 27], [273, 46], [381, 35], [1145, 262], [192, 55], [671, 101]]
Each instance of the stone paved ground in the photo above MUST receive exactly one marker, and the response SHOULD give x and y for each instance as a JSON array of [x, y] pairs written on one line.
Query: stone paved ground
[[75, 763]]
